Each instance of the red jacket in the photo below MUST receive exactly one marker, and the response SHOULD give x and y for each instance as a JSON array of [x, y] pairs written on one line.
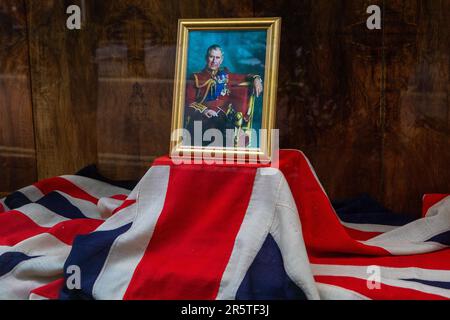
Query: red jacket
[[219, 91]]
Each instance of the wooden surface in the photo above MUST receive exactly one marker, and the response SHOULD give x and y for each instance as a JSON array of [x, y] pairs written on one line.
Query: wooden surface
[[416, 136], [330, 91], [370, 108], [17, 152], [64, 87], [135, 56]]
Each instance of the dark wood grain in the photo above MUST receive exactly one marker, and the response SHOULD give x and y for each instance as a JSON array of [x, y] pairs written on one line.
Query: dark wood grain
[[17, 152], [330, 90], [417, 128], [370, 108], [134, 59], [63, 77], [135, 54]]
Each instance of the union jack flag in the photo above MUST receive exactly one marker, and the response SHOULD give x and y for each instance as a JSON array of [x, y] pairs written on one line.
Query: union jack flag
[[216, 232]]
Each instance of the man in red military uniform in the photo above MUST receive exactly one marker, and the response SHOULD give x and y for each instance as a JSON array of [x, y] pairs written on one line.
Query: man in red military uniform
[[219, 98]]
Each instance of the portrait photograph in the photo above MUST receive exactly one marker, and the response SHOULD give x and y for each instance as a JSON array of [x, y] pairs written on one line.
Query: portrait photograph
[[225, 87]]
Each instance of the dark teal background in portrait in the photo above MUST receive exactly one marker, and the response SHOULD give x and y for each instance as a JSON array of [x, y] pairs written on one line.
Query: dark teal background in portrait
[[244, 52]]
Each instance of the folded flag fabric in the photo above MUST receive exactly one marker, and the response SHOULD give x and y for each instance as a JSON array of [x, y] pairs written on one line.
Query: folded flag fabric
[[215, 232]]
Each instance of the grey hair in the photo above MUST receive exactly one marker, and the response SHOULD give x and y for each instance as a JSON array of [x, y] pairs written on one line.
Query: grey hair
[[213, 47]]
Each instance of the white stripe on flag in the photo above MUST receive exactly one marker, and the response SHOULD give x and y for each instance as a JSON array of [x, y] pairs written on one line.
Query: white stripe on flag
[[412, 237], [33, 273], [87, 208], [95, 188], [41, 244], [252, 233], [106, 206], [270, 194], [29, 275], [41, 215], [123, 216], [3, 204], [434, 210], [332, 292], [286, 230], [390, 276], [35, 296], [367, 227], [32, 193], [129, 248]]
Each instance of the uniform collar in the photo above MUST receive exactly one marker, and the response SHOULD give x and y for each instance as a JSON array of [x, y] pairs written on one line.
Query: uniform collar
[[213, 73]]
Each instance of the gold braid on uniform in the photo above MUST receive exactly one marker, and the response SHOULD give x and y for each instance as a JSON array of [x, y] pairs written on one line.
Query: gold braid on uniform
[[198, 106], [210, 85]]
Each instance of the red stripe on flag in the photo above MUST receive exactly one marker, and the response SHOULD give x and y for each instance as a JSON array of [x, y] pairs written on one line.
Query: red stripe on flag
[[16, 227], [430, 200], [323, 232], [63, 185], [50, 290], [195, 233], [119, 196], [437, 260], [66, 231], [385, 292], [125, 204], [361, 235]]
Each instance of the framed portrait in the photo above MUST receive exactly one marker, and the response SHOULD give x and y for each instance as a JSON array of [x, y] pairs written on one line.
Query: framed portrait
[[225, 88]]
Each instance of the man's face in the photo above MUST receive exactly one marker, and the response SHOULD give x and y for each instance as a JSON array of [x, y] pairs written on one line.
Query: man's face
[[214, 59]]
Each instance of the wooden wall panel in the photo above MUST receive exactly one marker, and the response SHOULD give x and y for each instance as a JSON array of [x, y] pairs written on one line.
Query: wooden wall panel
[[135, 56], [417, 130], [370, 108], [134, 87], [64, 87], [330, 90], [17, 152]]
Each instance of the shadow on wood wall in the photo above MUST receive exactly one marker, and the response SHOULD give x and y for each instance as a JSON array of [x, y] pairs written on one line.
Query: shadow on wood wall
[[369, 108]]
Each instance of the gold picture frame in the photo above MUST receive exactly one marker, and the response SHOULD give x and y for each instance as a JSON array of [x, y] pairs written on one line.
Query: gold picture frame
[[264, 29]]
